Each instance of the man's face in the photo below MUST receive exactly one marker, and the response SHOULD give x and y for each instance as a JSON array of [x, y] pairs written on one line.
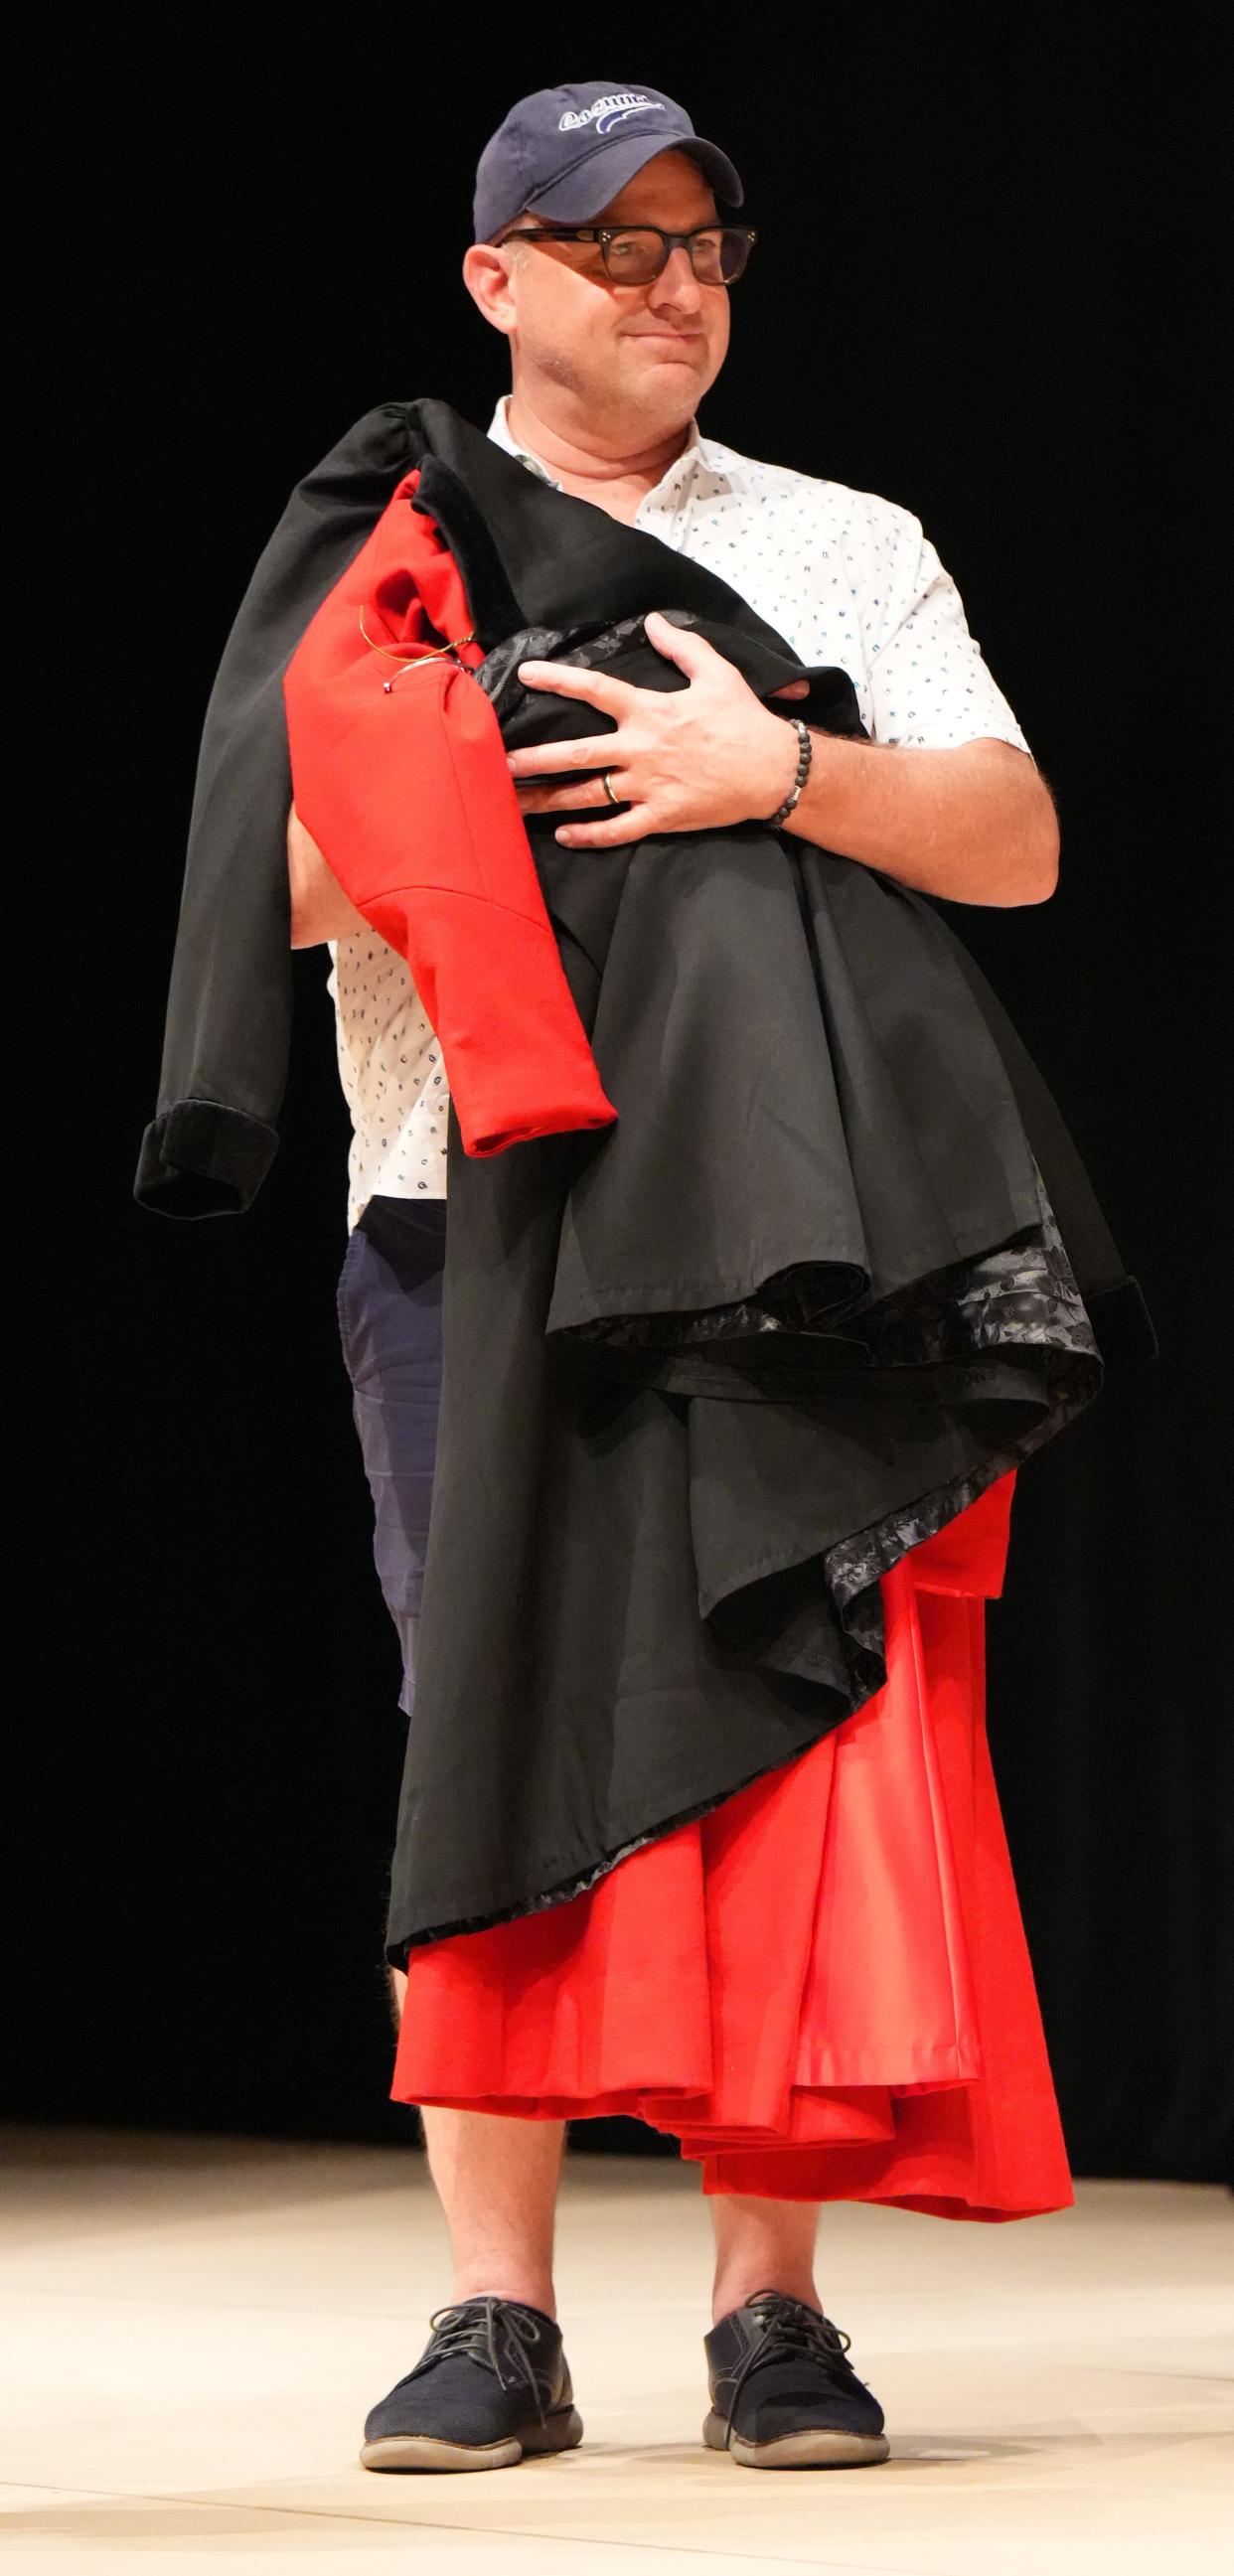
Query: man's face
[[638, 358]]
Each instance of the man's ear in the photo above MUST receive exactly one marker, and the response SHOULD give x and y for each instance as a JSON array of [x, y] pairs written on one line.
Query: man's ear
[[486, 276]]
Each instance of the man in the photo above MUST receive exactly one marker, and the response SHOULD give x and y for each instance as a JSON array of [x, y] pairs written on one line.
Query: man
[[613, 345]]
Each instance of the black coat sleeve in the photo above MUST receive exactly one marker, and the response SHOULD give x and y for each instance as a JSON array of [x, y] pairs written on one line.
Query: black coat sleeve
[[215, 1131]]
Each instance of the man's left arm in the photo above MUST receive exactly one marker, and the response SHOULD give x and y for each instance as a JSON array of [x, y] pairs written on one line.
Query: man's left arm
[[974, 823], [946, 797]]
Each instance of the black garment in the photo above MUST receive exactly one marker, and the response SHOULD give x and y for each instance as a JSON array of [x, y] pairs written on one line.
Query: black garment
[[215, 1131], [706, 1376]]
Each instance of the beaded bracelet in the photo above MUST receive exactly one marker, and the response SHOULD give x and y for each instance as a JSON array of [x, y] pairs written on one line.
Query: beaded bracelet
[[804, 758]]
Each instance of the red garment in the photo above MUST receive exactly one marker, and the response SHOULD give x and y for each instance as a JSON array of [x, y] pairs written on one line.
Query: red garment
[[400, 777], [823, 1987]]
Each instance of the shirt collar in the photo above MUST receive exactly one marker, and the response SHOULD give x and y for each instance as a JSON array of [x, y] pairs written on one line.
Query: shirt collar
[[699, 455]]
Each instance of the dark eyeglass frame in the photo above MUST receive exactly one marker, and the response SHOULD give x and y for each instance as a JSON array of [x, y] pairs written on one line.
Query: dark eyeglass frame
[[669, 242]]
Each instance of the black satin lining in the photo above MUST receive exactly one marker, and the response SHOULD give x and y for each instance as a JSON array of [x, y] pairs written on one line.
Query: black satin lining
[[853, 1567], [1022, 1304], [588, 647]]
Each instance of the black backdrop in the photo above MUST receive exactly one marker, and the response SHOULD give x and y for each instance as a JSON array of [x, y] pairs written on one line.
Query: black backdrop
[[985, 288]]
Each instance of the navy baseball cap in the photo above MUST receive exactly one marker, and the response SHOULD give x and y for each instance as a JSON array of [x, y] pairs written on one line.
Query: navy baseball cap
[[567, 152]]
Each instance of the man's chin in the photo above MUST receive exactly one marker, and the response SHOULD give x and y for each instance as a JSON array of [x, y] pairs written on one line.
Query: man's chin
[[665, 386]]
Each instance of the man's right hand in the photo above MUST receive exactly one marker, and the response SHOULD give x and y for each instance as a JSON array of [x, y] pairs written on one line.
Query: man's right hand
[[319, 908]]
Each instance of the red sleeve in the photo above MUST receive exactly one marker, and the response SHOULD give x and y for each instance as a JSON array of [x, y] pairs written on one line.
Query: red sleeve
[[399, 775]]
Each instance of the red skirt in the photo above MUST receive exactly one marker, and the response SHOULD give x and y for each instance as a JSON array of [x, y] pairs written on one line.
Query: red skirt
[[822, 1989]]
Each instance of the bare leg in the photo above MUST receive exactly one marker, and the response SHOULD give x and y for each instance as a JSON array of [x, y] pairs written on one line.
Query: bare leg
[[762, 2245], [496, 2179]]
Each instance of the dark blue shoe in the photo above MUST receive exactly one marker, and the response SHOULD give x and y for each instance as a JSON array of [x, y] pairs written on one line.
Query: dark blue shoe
[[783, 2396], [492, 2385]]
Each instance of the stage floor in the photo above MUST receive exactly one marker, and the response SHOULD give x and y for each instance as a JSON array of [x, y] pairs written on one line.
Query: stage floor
[[194, 2330]]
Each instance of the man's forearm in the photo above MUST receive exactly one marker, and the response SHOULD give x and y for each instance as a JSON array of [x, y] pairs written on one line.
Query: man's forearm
[[974, 824]]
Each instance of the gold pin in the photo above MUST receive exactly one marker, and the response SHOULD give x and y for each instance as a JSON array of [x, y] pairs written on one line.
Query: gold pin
[[414, 657]]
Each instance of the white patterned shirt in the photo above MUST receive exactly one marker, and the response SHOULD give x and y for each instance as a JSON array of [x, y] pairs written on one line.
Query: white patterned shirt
[[845, 577]]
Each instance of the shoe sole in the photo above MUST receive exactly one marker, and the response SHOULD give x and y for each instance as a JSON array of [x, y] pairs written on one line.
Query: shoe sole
[[813, 2448], [559, 2432]]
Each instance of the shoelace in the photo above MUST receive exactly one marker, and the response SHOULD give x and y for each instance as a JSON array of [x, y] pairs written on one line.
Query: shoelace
[[788, 2327], [471, 2329]]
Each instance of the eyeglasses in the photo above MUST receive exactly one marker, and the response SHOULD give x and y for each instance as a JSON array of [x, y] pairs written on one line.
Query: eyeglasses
[[635, 253]]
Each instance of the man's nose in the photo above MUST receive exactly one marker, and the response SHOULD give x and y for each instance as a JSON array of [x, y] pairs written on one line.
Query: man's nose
[[677, 285]]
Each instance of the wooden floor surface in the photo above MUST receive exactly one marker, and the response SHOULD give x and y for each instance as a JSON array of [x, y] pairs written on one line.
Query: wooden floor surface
[[194, 2330]]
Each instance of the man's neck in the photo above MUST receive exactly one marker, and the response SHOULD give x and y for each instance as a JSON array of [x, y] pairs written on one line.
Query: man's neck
[[615, 481]]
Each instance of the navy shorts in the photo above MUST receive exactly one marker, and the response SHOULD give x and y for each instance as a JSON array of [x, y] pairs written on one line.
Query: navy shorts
[[389, 1310]]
